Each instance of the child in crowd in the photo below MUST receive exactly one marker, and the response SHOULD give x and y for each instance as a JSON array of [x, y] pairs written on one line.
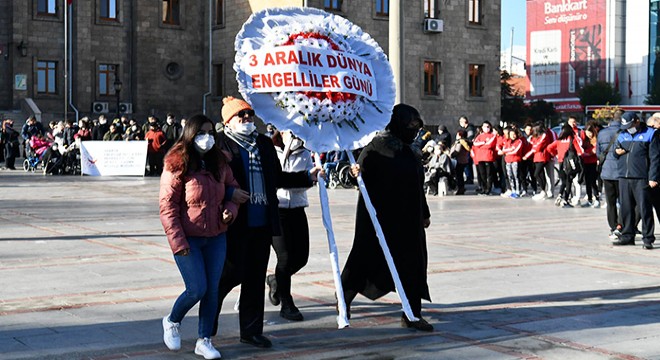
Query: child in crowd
[[512, 149]]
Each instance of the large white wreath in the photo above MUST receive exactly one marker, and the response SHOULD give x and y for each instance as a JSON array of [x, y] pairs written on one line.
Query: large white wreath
[[326, 120]]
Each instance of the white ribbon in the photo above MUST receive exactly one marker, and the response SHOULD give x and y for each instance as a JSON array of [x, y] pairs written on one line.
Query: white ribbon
[[342, 319]]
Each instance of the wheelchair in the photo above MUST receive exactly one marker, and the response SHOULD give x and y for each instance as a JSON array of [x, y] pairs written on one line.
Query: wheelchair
[[32, 161], [341, 176]]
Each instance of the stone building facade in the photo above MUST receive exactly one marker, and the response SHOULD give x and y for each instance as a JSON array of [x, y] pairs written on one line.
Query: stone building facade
[[162, 59]]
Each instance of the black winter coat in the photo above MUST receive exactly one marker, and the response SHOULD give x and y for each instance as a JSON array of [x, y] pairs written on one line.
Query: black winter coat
[[394, 178]]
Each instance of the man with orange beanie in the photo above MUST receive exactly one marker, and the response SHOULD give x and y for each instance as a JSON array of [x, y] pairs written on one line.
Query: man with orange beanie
[[258, 171]]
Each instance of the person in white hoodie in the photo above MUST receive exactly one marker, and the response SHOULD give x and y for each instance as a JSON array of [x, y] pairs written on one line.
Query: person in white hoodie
[[292, 247]]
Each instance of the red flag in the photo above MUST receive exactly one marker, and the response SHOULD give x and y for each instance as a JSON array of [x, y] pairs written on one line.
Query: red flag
[[616, 81], [69, 1], [629, 86]]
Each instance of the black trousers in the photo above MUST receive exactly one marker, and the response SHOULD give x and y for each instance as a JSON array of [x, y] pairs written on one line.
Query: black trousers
[[11, 150], [611, 188], [292, 248], [527, 178], [460, 182], [486, 171], [246, 263], [655, 200], [591, 181], [566, 184], [539, 174], [636, 193]]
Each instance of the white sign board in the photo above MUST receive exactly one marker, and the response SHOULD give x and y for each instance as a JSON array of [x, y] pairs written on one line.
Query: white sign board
[[118, 158], [545, 57]]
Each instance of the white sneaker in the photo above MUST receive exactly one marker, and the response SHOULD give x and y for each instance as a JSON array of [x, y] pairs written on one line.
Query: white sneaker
[[171, 336], [523, 193], [506, 194], [539, 196], [204, 348], [596, 204]]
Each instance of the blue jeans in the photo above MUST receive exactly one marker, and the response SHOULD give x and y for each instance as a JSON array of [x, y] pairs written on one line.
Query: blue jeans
[[201, 270]]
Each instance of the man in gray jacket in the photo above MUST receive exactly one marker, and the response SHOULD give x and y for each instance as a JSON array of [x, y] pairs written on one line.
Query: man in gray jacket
[[609, 172]]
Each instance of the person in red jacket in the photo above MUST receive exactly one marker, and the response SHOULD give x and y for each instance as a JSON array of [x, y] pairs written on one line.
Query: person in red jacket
[[484, 151], [539, 141], [512, 149], [199, 197], [560, 148], [590, 163], [155, 149]]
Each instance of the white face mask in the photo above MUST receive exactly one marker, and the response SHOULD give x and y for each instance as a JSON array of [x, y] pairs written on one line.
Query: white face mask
[[204, 143], [632, 130], [245, 129]]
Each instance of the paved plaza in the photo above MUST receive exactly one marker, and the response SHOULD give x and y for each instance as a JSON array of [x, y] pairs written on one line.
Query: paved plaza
[[86, 273]]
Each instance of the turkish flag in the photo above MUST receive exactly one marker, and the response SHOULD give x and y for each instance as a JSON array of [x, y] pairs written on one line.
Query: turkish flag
[[69, 1]]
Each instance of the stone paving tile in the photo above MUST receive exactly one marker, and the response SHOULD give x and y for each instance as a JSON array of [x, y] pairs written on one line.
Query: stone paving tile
[[87, 274]]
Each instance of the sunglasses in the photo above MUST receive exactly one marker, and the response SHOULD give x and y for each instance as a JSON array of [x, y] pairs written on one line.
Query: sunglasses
[[242, 113]]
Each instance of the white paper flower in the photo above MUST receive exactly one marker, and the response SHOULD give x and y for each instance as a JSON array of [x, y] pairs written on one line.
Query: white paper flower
[[326, 121]]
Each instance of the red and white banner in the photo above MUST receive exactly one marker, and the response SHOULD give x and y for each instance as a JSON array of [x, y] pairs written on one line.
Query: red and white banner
[[303, 68], [566, 47]]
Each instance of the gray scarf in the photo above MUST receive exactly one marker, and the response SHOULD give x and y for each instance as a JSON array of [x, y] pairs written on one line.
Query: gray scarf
[[255, 171]]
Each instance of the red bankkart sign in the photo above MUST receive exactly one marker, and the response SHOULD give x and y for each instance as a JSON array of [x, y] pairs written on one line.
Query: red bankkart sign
[[566, 46]]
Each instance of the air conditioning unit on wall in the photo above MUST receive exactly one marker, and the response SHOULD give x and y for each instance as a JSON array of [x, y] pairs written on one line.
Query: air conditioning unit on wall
[[100, 107], [126, 108], [433, 25]]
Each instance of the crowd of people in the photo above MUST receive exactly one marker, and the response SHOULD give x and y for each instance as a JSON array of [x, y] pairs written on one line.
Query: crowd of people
[[620, 159], [63, 138], [228, 194]]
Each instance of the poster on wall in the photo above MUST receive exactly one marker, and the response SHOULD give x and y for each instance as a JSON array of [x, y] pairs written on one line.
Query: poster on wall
[[20, 82], [566, 46]]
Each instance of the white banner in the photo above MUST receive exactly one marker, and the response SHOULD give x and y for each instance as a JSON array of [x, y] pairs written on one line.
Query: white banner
[[304, 68], [107, 158]]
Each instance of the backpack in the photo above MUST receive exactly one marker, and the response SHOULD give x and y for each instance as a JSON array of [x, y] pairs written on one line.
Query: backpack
[[572, 163]]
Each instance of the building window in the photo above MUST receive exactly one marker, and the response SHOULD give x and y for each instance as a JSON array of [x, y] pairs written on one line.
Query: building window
[[109, 9], [654, 48], [474, 12], [171, 10], [382, 7], [218, 72], [219, 12], [431, 78], [46, 7], [106, 76], [431, 9], [46, 77], [332, 5], [476, 74]]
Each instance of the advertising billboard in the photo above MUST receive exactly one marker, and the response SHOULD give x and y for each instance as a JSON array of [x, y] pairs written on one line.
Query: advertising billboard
[[566, 47]]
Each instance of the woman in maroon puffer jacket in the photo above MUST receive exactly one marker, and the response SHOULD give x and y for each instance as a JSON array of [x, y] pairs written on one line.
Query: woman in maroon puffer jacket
[[199, 197]]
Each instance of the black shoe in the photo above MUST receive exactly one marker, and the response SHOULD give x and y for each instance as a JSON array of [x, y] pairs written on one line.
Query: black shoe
[[647, 246], [291, 312], [623, 243], [259, 341], [420, 324], [272, 290]]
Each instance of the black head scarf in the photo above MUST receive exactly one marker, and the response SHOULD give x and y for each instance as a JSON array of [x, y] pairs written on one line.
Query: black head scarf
[[405, 123]]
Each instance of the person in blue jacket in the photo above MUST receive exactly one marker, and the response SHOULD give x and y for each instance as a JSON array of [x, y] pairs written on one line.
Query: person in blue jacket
[[638, 152]]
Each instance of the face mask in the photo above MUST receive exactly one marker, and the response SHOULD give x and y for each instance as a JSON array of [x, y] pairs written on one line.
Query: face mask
[[296, 144], [169, 121], [245, 129], [204, 143], [103, 121], [437, 152], [632, 130], [134, 128]]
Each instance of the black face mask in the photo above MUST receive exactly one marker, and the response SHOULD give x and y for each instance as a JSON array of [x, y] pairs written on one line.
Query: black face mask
[[408, 135]]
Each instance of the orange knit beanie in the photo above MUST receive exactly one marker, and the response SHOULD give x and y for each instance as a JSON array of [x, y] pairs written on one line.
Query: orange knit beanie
[[231, 106]]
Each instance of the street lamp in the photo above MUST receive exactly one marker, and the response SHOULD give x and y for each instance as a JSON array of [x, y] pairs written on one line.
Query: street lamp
[[117, 85]]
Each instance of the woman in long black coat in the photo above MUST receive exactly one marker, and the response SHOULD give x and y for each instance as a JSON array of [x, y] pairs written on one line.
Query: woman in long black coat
[[394, 178]]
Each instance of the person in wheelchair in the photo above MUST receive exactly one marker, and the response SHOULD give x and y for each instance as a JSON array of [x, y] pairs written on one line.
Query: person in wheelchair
[[37, 145], [437, 171], [53, 161], [336, 160]]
